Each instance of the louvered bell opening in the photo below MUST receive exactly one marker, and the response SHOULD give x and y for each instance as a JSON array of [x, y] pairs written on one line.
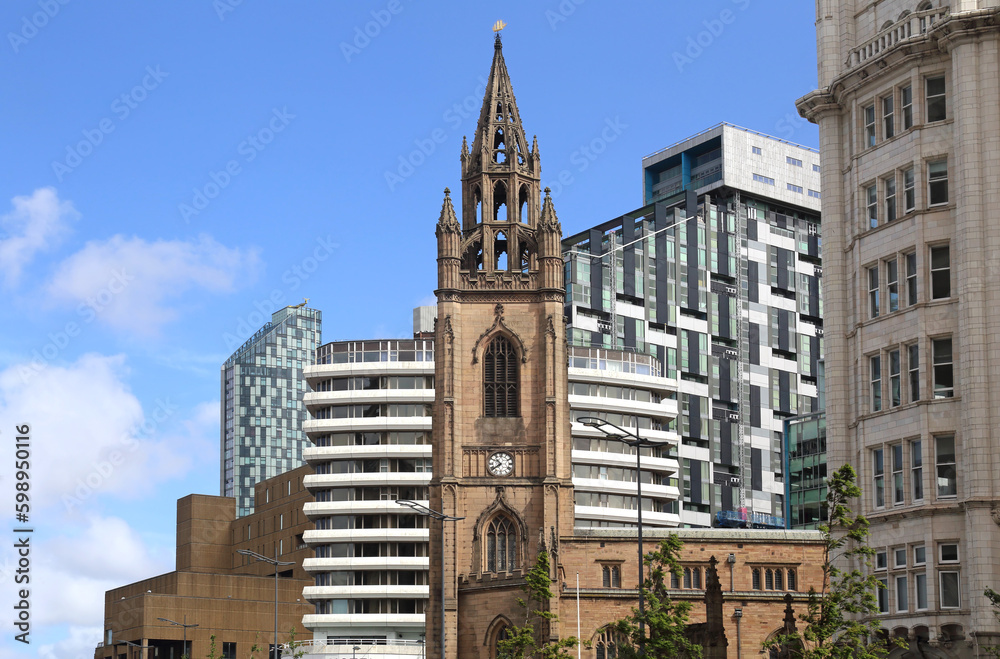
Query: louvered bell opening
[[500, 395]]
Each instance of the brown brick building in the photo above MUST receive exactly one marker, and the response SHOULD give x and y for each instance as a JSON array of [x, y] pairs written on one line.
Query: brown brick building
[[502, 448], [214, 587]]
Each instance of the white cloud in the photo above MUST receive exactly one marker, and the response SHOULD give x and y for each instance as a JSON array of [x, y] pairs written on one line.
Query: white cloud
[[35, 224], [128, 282], [70, 575], [79, 643], [90, 433]]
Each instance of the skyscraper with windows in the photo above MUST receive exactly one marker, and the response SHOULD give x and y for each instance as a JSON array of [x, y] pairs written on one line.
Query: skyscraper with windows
[[717, 278], [908, 108], [262, 409]]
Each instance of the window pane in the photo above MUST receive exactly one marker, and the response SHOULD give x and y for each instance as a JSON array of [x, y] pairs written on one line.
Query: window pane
[[920, 581], [911, 278], [937, 182], [937, 108], [949, 590], [883, 596], [947, 477], [940, 272], [944, 386], [906, 97], [870, 126], [949, 553]]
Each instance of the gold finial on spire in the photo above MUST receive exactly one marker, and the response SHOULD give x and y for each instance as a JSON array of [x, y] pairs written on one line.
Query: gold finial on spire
[[498, 26]]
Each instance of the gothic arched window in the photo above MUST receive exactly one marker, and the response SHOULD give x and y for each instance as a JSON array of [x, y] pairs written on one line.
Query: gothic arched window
[[500, 202], [500, 251], [501, 545], [500, 379], [606, 644], [501, 635]]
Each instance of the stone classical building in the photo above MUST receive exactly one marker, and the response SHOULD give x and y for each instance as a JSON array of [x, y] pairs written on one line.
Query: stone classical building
[[214, 589], [908, 108]]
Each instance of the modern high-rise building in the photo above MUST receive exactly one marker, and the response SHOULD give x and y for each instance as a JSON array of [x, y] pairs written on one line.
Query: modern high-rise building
[[717, 278], [262, 410], [805, 465], [908, 108], [370, 426]]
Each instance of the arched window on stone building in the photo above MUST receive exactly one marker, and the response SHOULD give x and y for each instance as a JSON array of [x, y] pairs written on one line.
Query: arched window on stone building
[[501, 545], [500, 390]]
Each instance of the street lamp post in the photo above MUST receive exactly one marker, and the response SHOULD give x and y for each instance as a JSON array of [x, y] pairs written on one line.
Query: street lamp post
[[276, 563], [630, 439], [130, 644], [421, 509], [184, 624]]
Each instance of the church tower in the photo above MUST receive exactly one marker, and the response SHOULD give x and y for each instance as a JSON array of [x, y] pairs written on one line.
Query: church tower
[[501, 411]]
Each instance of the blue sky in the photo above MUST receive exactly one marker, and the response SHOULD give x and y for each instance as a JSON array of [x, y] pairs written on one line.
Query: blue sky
[[170, 169]]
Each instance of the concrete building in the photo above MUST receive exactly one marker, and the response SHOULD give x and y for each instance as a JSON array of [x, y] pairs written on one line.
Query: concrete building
[[262, 410], [215, 588], [908, 108], [717, 278]]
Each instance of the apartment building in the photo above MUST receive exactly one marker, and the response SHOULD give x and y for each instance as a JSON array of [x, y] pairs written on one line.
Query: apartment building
[[718, 278]]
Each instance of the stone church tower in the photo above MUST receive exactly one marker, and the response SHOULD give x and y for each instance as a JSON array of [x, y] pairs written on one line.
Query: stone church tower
[[501, 412]]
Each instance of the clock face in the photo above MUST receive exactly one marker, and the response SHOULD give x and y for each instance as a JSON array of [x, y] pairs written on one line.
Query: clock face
[[501, 464]]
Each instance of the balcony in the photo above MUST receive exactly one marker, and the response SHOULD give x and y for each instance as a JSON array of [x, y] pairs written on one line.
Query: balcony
[[910, 28]]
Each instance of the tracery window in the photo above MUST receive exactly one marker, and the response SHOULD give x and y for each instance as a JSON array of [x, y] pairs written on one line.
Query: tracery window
[[500, 391], [606, 644], [501, 545], [502, 635]]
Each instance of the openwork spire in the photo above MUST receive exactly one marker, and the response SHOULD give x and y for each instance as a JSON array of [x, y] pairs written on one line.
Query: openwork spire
[[500, 139], [448, 221]]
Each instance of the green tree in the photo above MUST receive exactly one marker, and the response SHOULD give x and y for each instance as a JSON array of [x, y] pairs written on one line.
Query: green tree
[[296, 647], [994, 598], [211, 648], [526, 641], [255, 648], [839, 621], [665, 621]]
